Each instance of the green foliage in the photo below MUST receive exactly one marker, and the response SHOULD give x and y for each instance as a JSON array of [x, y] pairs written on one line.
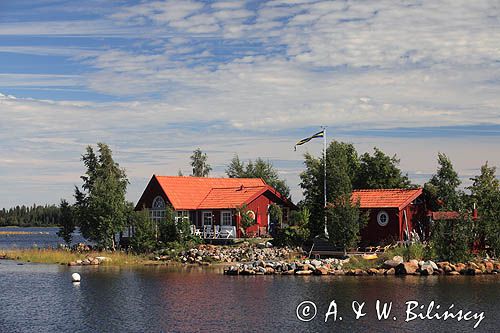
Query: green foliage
[[245, 220], [66, 222], [275, 214], [417, 251], [290, 236], [344, 222], [167, 228], [357, 262], [295, 234], [199, 163], [34, 216], [258, 169], [100, 206], [452, 239], [144, 238], [342, 164], [442, 189], [485, 193], [380, 171], [172, 232], [300, 217]]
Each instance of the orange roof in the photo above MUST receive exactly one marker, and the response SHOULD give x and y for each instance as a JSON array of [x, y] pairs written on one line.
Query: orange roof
[[189, 193], [230, 197], [386, 198]]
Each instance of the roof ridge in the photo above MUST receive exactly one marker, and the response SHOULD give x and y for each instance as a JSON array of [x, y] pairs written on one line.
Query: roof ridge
[[231, 187], [192, 177], [385, 189]]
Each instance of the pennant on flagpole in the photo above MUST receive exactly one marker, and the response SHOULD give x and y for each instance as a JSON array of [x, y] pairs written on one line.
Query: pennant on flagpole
[[317, 135]]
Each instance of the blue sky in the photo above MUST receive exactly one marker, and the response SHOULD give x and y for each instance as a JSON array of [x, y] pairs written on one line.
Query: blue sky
[[157, 79]]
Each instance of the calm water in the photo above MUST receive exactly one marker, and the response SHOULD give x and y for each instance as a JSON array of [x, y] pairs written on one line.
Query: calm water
[[43, 237], [41, 298]]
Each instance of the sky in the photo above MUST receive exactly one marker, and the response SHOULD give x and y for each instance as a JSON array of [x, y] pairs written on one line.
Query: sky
[[157, 79]]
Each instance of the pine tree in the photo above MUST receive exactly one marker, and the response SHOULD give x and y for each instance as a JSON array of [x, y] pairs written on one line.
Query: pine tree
[[66, 222]]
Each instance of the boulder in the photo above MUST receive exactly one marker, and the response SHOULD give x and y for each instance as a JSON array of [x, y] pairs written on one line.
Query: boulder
[[269, 270], [306, 272], [443, 264], [398, 258], [432, 263], [391, 263], [488, 265], [373, 271], [316, 263], [426, 269], [406, 268], [453, 273], [390, 271], [321, 271]]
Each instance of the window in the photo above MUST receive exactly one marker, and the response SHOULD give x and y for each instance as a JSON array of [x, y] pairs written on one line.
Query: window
[[382, 218], [207, 218], [158, 203], [226, 217], [157, 211], [182, 215]]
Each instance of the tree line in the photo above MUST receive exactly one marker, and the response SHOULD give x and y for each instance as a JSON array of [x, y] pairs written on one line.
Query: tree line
[[30, 216], [102, 211]]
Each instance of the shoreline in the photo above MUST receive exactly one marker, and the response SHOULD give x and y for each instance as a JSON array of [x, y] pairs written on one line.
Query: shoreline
[[251, 260]]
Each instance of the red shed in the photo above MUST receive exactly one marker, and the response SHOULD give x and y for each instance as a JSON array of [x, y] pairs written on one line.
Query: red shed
[[210, 203], [394, 215]]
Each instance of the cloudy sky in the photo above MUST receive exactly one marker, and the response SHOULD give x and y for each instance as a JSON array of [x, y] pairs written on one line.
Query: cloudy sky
[[157, 79]]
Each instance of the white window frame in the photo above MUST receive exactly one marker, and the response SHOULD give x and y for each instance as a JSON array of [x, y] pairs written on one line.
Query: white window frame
[[380, 218], [206, 212], [158, 211], [224, 222], [181, 215]]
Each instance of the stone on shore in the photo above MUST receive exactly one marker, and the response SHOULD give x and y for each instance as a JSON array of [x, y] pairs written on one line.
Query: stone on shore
[[406, 268]]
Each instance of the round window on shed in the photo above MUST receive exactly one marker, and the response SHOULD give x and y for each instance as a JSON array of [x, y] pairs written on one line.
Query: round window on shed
[[382, 218]]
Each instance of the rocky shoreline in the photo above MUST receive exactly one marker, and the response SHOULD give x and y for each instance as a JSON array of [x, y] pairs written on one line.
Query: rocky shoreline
[[395, 266], [245, 252]]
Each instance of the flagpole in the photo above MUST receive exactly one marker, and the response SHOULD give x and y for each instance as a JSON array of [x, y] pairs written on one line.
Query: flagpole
[[324, 177]]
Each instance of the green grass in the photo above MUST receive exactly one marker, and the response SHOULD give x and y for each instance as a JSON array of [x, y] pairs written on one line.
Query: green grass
[[59, 256], [358, 262]]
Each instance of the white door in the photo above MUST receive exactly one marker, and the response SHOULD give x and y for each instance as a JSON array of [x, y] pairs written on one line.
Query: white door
[[207, 219]]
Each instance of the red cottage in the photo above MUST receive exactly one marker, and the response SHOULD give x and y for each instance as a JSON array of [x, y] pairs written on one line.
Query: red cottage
[[210, 203], [394, 215]]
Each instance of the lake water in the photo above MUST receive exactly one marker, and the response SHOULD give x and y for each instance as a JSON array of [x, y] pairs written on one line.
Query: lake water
[[41, 298], [41, 237]]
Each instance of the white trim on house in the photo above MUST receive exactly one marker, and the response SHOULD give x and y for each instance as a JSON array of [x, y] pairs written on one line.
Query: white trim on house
[[223, 217], [382, 218]]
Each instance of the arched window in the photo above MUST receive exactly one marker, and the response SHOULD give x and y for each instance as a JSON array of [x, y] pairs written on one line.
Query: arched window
[[157, 211], [382, 218]]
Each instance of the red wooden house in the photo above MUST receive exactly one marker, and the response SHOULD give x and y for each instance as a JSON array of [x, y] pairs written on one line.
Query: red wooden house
[[210, 203], [394, 215]]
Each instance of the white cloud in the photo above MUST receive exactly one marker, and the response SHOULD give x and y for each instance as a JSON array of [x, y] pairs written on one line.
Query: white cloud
[[192, 71]]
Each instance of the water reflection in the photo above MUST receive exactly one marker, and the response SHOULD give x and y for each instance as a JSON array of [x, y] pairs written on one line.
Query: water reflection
[[41, 298]]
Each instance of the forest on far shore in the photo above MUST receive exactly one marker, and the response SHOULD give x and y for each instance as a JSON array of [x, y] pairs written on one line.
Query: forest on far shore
[[34, 216]]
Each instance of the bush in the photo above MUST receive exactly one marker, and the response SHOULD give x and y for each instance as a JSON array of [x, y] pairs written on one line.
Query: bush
[[417, 251], [144, 238], [452, 239], [290, 236]]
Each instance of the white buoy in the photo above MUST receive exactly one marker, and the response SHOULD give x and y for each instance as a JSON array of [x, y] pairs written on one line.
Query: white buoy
[[75, 277]]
